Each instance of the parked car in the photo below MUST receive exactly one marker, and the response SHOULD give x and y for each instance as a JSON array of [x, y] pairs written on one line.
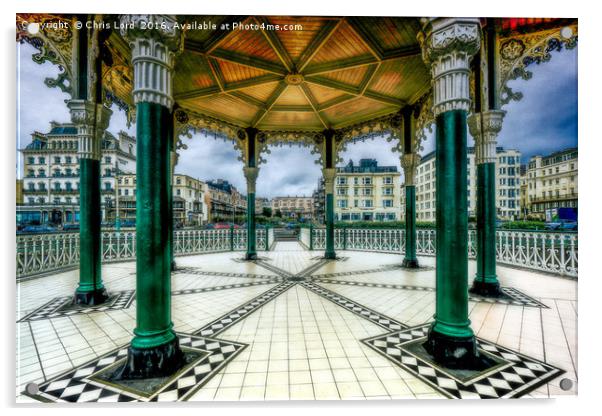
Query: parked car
[[71, 227], [221, 226], [562, 225], [44, 228], [128, 223], [209, 226]]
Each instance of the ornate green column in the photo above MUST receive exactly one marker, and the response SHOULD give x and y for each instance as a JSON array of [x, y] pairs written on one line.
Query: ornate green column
[[448, 45], [329, 175], [409, 163], [91, 119], [173, 158], [251, 171], [251, 177], [154, 350], [484, 128]]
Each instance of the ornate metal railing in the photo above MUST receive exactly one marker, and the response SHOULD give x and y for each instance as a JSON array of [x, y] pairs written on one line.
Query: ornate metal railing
[[546, 251], [44, 253]]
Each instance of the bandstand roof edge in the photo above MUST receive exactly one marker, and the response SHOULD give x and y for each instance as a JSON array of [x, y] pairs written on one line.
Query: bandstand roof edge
[[348, 74]]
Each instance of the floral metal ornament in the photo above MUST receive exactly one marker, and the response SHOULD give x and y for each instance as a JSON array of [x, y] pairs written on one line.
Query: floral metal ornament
[[189, 123], [276, 138], [521, 50], [51, 36], [388, 126]]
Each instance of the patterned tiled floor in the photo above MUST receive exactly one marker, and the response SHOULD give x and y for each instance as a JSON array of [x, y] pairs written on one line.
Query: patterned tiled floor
[[294, 326]]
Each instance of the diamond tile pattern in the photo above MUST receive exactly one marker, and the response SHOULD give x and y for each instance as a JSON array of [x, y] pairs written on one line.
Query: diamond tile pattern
[[76, 386], [521, 374]]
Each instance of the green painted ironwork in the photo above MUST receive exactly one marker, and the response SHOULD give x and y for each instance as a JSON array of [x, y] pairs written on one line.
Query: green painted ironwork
[[486, 222], [251, 240], [153, 257], [330, 253], [451, 316], [410, 224], [231, 238], [90, 278]]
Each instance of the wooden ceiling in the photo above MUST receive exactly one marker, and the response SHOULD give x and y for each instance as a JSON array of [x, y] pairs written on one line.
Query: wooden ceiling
[[332, 73]]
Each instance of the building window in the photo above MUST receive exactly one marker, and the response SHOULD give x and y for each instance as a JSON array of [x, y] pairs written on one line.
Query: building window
[[31, 160], [57, 159], [30, 173], [108, 159], [341, 180], [387, 203], [41, 160], [388, 191], [68, 186], [367, 191], [68, 160], [367, 203], [387, 180], [126, 192], [367, 180], [342, 203], [108, 186]]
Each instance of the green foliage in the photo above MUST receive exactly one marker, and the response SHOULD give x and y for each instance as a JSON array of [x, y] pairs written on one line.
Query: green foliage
[[380, 224], [278, 213], [266, 211], [523, 225]]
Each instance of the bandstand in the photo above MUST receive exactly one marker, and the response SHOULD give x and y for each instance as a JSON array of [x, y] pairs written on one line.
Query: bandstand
[[323, 83]]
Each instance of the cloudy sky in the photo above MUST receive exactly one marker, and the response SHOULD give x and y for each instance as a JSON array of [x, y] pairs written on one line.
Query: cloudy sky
[[545, 120]]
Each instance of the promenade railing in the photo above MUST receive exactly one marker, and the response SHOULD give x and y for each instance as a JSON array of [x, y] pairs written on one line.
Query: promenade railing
[[552, 252]]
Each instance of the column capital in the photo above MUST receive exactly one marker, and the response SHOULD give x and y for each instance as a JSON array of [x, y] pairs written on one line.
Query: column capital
[[91, 120], [484, 127], [251, 177], [409, 163], [448, 44], [155, 40], [329, 175]]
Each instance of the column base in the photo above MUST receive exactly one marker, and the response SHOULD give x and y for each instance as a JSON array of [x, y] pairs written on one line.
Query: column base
[[330, 256], [454, 352], [487, 289], [174, 266], [159, 361], [90, 298], [251, 256], [410, 263]]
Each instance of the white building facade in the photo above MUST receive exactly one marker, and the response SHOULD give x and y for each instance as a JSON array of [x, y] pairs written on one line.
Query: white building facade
[[367, 192], [51, 172], [507, 185]]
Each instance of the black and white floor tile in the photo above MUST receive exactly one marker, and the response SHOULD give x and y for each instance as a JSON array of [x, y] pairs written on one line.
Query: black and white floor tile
[[80, 385], [62, 306], [517, 376]]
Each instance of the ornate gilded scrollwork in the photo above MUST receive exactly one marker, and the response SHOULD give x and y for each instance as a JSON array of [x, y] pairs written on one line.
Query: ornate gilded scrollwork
[[188, 123], [312, 140], [52, 38], [388, 126], [521, 50], [425, 120]]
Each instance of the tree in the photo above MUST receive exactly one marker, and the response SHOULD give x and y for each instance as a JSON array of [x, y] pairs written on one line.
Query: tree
[[266, 212], [278, 213]]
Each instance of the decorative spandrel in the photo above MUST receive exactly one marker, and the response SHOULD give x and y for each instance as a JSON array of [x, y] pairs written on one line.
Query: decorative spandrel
[[51, 35], [518, 51]]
